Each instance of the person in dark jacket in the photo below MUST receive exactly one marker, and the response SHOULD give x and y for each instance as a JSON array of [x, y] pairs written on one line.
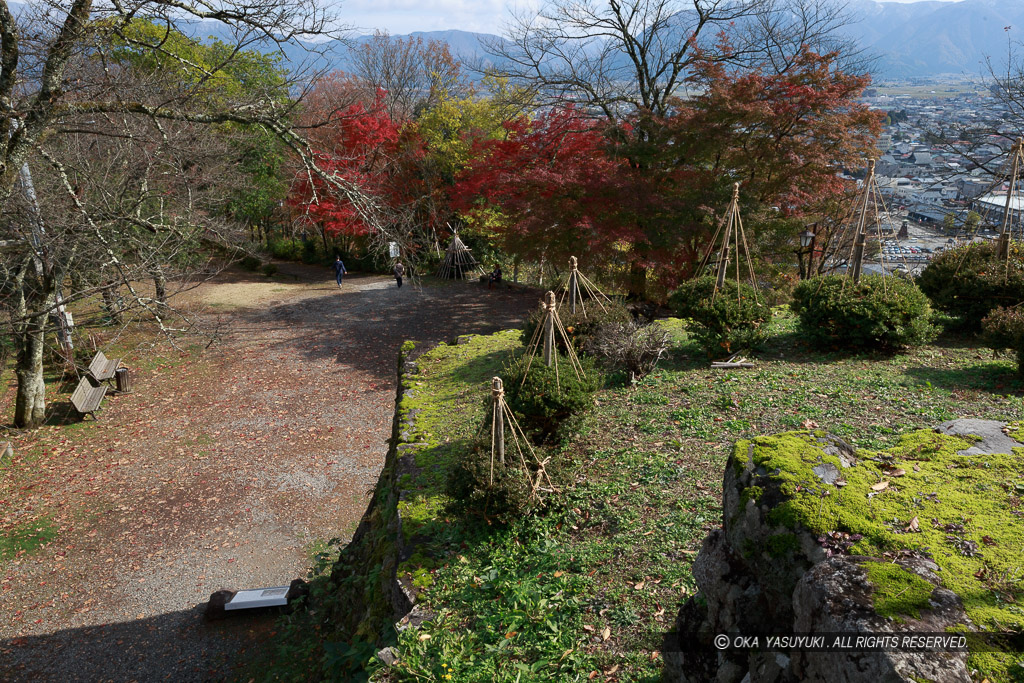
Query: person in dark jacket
[[339, 269], [399, 273], [495, 277]]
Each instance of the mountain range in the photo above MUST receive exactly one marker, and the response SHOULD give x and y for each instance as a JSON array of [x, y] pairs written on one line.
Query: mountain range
[[910, 40]]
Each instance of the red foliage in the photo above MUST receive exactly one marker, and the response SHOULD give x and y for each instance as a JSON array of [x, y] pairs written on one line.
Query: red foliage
[[358, 146], [645, 194], [554, 182]]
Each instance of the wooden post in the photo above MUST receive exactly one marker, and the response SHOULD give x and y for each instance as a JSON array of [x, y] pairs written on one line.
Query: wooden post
[[862, 235], [723, 255], [1004, 234], [573, 284], [810, 256], [549, 328], [498, 424]]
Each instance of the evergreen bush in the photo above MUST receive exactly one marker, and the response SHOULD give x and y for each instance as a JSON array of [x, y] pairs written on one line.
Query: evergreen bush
[[732, 319], [544, 403], [250, 263], [1002, 330], [970, 281], [501, 499], [878, 312], [285, 249]]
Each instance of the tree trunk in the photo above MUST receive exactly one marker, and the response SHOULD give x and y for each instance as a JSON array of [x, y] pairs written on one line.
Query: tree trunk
[[159, 284], [637, 285], [30, 404], [111, 303]]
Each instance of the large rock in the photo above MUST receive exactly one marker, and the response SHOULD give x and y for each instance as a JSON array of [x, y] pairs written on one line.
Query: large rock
[[817, 538]]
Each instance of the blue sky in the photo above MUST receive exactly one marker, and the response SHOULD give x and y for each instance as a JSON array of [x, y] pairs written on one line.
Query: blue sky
[[405, 16]]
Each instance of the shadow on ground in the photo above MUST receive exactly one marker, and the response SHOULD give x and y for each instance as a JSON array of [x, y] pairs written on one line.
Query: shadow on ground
[[177, 646]]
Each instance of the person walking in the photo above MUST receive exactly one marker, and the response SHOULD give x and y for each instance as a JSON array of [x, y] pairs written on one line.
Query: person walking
[[339, 269], [399, 273]]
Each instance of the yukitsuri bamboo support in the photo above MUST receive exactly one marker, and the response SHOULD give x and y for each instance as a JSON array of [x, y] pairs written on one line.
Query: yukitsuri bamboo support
[[503, 417], [1004, 234], [549, 327], [577, 286], [498, 422], [574, 287], [861, 237], [543, 340]]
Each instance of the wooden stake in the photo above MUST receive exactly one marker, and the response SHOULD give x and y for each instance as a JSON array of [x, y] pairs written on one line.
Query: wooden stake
[[498, 424], [862, 233], [723, 255], [1004, 234], [574, 290], [549, 328]]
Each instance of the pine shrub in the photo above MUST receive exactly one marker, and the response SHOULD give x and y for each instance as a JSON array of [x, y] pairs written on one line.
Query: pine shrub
[[877, 313], [970, 281], [733, 319], [501, 498], [1002, 330], [544, 403]]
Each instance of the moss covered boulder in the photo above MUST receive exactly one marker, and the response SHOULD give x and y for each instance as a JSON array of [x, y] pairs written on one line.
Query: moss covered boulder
[[818, 538]]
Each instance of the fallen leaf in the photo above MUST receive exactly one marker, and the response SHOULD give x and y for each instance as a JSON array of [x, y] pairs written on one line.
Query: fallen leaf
[[639, 586], [914, 525], [606, 633], [558, 573], [880, 486], [809, 424], [424, 636]]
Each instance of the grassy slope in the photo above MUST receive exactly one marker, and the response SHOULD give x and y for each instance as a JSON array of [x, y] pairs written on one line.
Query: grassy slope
[[591, 585]]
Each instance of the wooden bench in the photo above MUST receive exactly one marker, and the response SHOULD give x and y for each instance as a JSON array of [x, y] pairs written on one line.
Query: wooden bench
[[103, 368], [86, 398]]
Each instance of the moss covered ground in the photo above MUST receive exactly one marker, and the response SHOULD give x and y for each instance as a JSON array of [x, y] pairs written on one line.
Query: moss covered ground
[[585, 590], [919, 497]]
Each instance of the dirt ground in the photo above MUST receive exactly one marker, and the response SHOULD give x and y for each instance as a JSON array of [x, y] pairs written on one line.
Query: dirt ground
[[223, 469]]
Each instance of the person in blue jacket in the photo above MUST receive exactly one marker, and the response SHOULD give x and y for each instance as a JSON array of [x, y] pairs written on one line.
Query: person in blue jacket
[[339, 269]]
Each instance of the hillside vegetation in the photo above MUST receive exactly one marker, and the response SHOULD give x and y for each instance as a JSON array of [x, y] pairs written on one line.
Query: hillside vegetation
[[592, 583]]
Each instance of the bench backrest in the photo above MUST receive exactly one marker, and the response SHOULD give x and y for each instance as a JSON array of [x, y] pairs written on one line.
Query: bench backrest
[[86, 398], [98, 361]]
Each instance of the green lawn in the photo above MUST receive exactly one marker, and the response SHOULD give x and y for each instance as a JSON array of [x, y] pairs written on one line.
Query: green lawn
[[592, 583]]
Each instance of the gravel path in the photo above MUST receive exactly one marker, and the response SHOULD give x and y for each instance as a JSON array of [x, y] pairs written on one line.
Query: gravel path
[[216, 474]]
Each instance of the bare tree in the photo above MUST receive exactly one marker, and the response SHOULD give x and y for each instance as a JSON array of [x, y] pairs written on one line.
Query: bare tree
[[73, 107], [620, 56], [412, 72]]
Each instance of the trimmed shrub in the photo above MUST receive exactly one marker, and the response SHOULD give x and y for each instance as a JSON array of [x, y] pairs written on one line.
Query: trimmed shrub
[[578, 327], [249, 263], [732, 320], [544, 403], [1002, 330], [879, 312], [628, 347], [285, 249], [502, 499], [970, 281]]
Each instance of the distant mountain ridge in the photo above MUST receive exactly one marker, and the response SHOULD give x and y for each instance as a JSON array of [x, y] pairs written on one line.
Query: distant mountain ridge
[[911, 40]]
